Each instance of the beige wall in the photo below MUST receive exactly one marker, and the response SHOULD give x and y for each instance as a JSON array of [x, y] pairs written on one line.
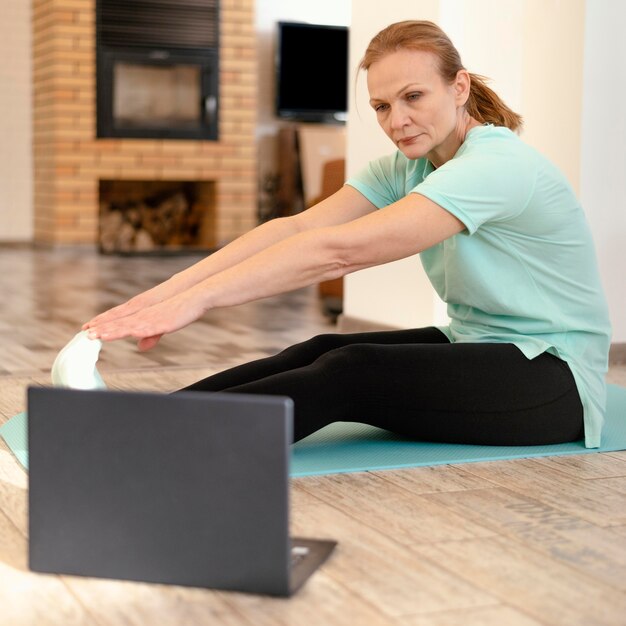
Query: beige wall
[[532, 50], [16, 212]]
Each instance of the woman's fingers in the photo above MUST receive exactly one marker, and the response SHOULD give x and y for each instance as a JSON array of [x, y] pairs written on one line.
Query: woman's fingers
[[122, 310], [130, 307], [148, 324], [139, 326]]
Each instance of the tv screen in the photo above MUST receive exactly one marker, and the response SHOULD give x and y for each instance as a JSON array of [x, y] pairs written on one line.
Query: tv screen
[[311, 72]]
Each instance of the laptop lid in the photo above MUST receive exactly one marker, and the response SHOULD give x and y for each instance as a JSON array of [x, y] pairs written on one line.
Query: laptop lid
[[187, 488]]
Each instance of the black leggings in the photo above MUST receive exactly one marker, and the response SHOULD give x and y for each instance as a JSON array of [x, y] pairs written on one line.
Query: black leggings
[[419, 385]]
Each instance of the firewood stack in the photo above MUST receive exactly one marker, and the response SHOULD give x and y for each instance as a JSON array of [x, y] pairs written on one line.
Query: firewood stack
[[167, 220]]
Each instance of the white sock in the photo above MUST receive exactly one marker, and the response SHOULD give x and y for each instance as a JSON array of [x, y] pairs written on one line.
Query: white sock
[[75, 365]]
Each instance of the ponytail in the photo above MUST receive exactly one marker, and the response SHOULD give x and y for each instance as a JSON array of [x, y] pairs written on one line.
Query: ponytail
[[486, 106]]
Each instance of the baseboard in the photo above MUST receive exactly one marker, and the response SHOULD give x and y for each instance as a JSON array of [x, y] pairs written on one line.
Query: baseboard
[[16, 244]]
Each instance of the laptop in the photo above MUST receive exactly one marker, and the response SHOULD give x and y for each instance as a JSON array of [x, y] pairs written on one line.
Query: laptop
[[189, 488]]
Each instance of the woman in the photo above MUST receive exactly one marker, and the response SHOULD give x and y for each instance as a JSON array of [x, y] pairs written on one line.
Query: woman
[[502, 238]]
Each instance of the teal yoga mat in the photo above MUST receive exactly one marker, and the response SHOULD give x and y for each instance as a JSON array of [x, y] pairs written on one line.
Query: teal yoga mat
[[345, 447]]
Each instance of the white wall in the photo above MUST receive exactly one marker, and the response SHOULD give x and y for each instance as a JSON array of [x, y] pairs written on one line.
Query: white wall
[[603, 162], [532, 50], [16, 202]]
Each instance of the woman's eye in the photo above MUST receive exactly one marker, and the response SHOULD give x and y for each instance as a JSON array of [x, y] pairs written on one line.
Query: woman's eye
[[413, 96], [379, 108]]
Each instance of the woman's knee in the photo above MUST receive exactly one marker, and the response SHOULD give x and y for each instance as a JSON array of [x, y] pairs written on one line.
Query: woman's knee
[[315, 346], [348, 361]]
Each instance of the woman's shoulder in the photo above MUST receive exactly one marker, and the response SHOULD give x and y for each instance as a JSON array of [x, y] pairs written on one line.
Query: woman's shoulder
[[490, 132], [498, 150], [505, 151], [488, 135], [498, 141]]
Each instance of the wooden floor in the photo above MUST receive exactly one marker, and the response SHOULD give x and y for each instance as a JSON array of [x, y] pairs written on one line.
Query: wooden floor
[[515, 543]]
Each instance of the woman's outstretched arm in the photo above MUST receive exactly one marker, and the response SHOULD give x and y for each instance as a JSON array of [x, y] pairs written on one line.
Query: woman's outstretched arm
[[306, 257], [345, 205]]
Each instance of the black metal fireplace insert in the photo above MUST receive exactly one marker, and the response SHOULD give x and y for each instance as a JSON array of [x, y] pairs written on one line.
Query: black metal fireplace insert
[[157, 68]]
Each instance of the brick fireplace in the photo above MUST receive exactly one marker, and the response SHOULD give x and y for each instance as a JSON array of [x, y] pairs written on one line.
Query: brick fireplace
[[71, 164]]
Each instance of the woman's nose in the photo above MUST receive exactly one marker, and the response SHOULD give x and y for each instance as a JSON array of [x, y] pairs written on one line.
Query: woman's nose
[[398, 117]]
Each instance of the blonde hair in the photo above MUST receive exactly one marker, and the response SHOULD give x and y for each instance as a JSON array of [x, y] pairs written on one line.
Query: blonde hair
[[483, 103]]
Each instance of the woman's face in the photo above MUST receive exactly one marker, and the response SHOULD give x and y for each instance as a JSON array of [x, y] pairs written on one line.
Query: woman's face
[[418, 111]]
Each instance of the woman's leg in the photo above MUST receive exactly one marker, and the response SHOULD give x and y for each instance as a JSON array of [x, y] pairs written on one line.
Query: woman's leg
[[459, 393], [307, 352]]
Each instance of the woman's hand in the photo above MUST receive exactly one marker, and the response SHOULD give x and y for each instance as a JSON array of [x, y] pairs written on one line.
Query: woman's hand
[[149, 323], [137, 303]]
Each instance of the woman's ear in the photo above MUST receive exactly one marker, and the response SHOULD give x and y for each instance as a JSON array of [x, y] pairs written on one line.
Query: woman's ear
[[462, 84]]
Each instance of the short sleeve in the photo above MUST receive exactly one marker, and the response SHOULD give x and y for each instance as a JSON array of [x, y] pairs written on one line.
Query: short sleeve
[[383, 180]]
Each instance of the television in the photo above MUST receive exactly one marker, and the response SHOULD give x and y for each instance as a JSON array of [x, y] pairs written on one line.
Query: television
[[311, 63]]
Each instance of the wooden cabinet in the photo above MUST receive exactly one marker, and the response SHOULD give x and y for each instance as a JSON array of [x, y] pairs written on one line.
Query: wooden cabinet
[[290, 197], [303, 151]]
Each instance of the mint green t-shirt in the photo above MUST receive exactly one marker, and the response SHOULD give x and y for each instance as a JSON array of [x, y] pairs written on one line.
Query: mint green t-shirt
[[524, 271]]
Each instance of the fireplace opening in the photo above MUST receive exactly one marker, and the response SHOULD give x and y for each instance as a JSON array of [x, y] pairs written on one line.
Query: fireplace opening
[[156, 217]]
